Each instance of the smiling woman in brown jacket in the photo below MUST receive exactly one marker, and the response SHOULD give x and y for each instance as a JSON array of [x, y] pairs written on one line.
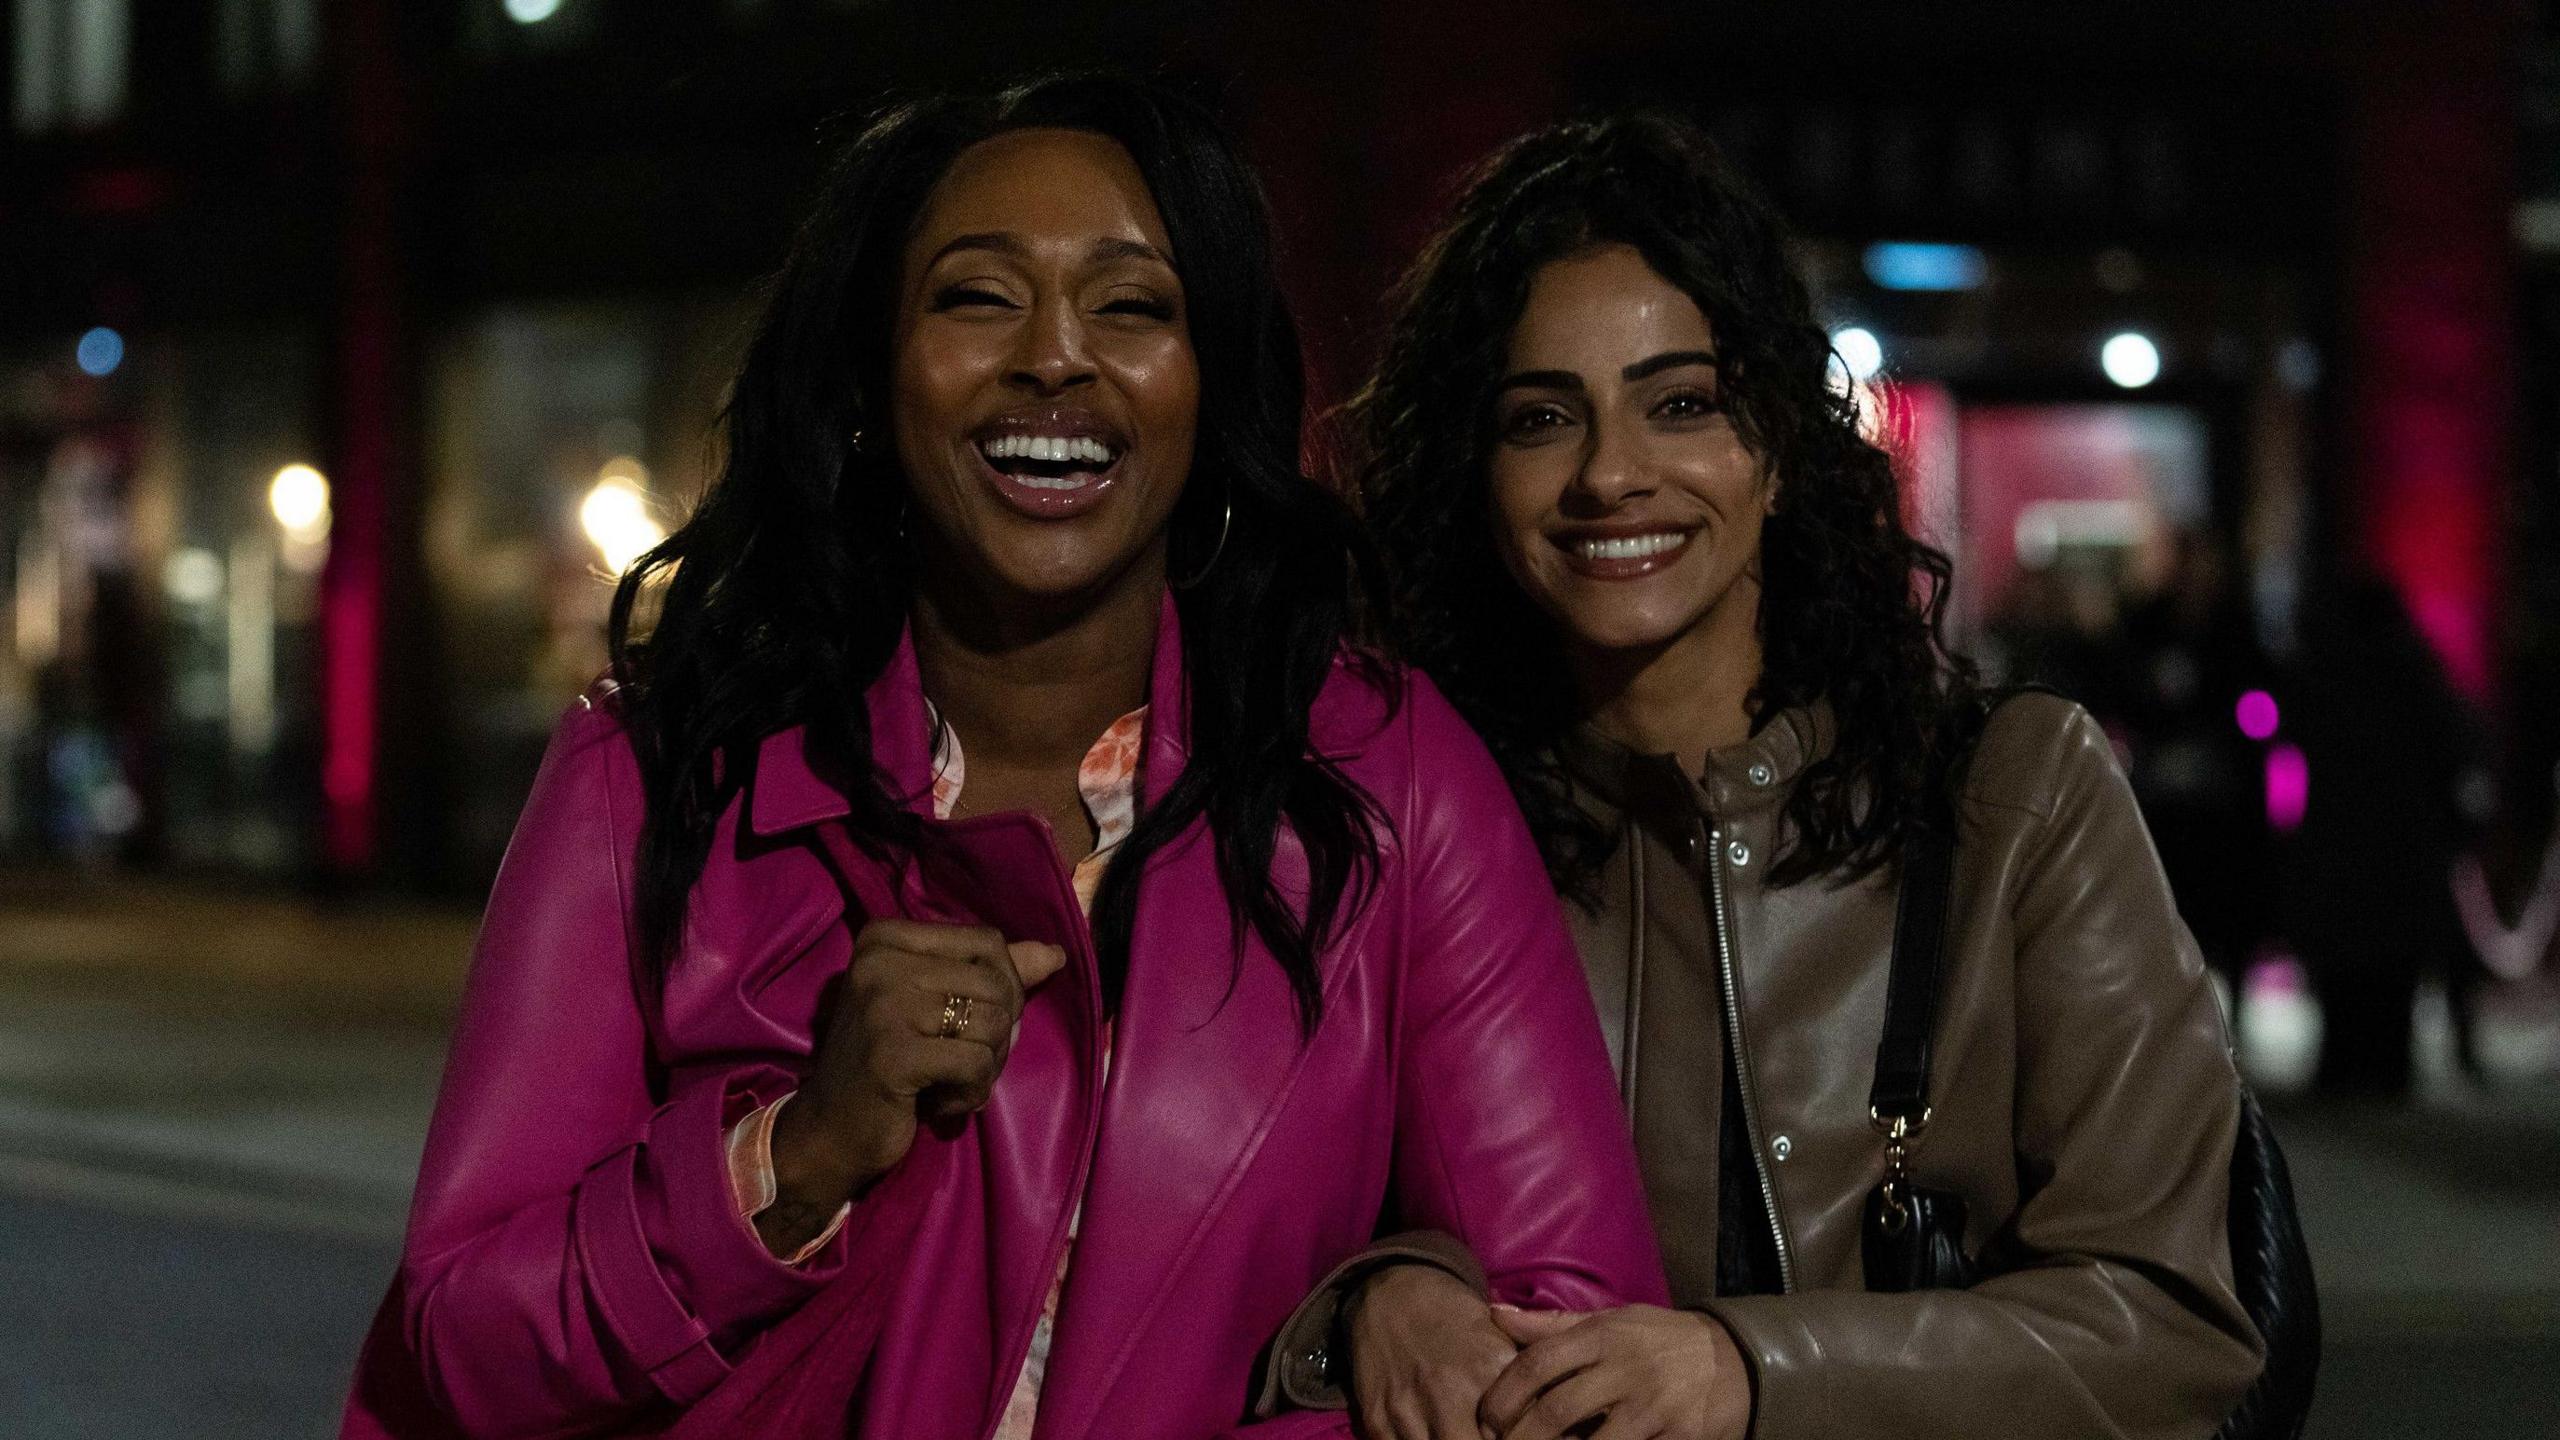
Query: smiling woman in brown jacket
[[1644, 547]]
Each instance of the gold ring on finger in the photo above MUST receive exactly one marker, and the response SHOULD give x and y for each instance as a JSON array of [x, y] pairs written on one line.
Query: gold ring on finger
[[956, 1010]]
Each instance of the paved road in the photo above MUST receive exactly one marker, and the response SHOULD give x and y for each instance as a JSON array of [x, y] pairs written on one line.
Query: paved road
[[116, 1322], [198, 1210]]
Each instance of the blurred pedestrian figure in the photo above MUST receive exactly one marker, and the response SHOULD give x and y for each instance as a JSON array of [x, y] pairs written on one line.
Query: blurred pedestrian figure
[[2056, 628], [2370, 897], [2187, 655]]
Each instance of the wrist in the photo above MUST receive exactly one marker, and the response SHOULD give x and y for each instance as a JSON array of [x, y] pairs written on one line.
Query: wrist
[[1404, 1280], [1737, 1391], [812, 1163]]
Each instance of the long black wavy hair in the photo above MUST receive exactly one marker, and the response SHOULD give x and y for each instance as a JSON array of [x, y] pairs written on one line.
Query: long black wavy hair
[[787, 589], [1853, 604]]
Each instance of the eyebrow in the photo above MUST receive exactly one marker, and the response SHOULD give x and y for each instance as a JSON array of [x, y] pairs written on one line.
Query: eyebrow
[[996, 240], [1006, 243], [1114, 248], [1539, 380], [1667, 360], [1566, 380]]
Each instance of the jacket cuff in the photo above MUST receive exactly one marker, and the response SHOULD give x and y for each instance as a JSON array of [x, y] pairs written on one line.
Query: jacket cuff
[[751, 1179], [1300, 1370], [673, 1266], [1783, 1357]]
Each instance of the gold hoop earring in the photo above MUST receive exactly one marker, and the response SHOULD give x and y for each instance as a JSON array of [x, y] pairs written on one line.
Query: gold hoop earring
[[1226, 521]]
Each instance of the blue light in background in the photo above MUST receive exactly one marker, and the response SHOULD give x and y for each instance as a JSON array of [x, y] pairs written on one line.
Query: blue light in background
[[1912, 265], [101, 351]]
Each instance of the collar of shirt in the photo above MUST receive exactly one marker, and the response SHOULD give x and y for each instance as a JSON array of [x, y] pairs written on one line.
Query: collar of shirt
[[1107, 779]]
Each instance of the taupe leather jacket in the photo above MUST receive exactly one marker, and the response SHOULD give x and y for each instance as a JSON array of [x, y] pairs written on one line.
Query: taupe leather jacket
[[2085, 1101]]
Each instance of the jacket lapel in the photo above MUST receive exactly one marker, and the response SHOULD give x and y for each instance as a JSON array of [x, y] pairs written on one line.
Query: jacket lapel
[[1202, 1056], [788, 793]]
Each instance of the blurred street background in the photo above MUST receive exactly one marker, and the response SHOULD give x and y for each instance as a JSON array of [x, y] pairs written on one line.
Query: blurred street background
[[347, 347]]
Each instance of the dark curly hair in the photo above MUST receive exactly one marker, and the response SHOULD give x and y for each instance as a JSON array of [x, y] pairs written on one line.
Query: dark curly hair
[[787, 589], [1852, 606]]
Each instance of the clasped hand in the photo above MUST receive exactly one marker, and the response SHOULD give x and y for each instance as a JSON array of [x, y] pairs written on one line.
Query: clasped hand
[[920, 1031], [1431, 1361]]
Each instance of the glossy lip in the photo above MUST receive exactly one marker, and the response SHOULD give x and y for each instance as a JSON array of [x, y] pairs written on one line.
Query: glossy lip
[[1627, 567], [1058, 421]]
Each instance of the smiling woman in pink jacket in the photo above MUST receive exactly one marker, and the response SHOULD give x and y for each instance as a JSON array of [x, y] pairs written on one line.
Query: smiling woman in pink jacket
[[990, 948]]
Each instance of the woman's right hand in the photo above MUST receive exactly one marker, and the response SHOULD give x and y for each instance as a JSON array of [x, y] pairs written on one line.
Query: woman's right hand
[[1424, 1347], [883, 1065]]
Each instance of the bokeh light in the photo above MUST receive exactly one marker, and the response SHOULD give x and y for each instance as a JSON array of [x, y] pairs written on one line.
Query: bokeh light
[[100, 351], [2130, 359], [2288, 788], [616, 517], [1859, 350], [2258, 715], [299, 499]]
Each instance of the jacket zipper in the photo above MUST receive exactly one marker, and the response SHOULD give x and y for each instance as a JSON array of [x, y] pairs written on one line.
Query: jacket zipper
[[1742, 1057], [1631, 1029]]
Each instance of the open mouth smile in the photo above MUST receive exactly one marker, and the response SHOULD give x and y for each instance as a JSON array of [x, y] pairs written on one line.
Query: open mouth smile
[[1049, 463]]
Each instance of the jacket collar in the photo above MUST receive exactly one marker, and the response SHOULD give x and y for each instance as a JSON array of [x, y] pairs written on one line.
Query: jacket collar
[[1737, 777], [789, 794]]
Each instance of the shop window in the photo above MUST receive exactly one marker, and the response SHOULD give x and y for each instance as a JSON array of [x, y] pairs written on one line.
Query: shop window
[[72, 57], [266, 44], [564, 439]]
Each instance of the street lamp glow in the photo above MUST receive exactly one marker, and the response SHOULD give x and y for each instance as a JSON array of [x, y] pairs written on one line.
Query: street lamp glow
[[299, 499], [2130, 359], [1859, 350], [532, 12], [616, 517]]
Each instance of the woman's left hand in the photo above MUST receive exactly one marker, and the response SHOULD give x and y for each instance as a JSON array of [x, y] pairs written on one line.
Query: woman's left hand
[[1653, 1374]]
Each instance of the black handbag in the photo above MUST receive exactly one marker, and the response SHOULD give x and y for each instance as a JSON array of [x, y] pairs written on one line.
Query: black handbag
[[1913, 1238]]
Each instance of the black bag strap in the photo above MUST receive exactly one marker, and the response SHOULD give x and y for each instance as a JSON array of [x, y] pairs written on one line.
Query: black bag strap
[[1901, 1090], [1900, 1094]]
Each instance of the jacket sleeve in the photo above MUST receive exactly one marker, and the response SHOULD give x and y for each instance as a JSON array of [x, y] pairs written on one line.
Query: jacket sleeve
[[1509, 1137], [1509, 1134], [575, 1254], [1514, 1170], [2113, 1315]]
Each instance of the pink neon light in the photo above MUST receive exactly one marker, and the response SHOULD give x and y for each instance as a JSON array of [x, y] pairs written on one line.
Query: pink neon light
[[2258, 715], [2288, 787]]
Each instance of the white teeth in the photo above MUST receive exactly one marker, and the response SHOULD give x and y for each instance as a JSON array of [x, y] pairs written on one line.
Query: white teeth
[[1043, 482], [1055, 449], [1630, 547]]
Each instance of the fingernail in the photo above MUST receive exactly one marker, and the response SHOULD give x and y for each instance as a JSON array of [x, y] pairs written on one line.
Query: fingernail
[[1505, 1305]]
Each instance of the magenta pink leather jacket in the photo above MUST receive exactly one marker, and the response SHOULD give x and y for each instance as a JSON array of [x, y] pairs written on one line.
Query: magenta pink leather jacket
[[575, 1263]]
